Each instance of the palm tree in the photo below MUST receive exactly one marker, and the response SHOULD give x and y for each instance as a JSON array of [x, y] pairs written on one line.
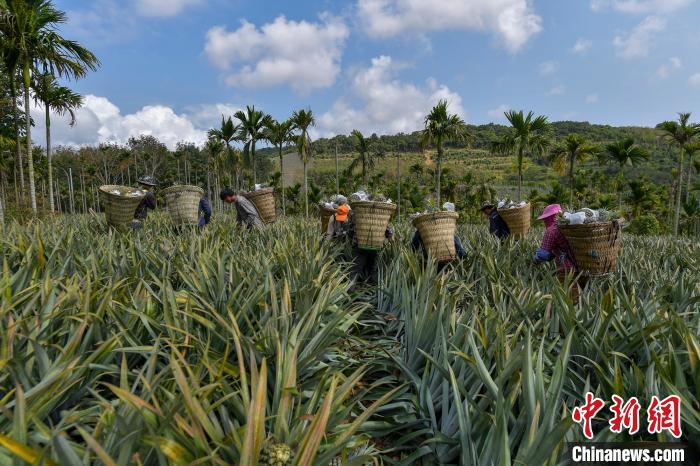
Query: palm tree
[[440, 127], [302, 120], [366, 156], [417, 170], [642, 195], [574, 148], [279, 134], [250, 131], [30, 33], [59, 100], [696, 167], [529, 135], [214, 148], [683, 133], [9, 60], [691, 150], [227, 133], [624, 152]]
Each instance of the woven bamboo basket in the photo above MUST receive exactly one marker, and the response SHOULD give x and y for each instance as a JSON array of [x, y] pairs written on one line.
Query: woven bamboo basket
[[437, 231], [325, 215], [517, 219], [119, 209], [183, 204], [264, 201], [595, 246], [371, 220]]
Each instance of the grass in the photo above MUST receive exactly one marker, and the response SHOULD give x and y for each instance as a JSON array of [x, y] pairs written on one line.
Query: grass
[[216, 347]]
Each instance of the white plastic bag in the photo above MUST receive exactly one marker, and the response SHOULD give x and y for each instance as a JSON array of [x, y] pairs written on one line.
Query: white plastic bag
[[576, 218]]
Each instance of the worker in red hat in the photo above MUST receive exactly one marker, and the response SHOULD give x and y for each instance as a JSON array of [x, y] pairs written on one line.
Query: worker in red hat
[[555, 247]]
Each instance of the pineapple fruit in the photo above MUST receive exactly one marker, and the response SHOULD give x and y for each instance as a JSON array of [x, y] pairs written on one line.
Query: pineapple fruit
[[275, 453]]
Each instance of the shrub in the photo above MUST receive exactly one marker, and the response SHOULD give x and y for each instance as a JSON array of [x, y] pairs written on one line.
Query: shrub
[[646, 224]]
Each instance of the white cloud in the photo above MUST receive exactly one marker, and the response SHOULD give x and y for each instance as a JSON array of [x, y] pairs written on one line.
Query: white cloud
[[103, 21], [107, 21], [512, 21], [377, 102], [302, 54], [548, 67], [641, 6], [592, 98], [498, 112], [99, 120], [694, 80], [581, 45], [638, 42], [163, 8], [556, 90], [665, 70], [597, 5], [209, 115]]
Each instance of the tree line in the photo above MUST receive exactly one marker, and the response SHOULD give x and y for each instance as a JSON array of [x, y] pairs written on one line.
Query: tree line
[[35, 57]]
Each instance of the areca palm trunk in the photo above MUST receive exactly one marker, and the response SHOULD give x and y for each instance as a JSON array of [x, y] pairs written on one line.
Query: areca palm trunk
[[30, 160], [690, 177], [284, 210], [18, 145], [398, 182], [620, 179], [252, 155], [49, 155], [571, 181], [439, 170], [520, 174], [306, 190], [677, 213], [209, 194]]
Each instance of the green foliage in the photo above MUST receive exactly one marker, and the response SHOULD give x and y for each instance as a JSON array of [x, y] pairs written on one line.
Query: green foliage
[[646, 224], [684, 134], [165, 348], [530, 135]]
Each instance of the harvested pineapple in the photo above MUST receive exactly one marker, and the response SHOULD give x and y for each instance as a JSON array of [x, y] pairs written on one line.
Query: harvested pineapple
[[276, 453]]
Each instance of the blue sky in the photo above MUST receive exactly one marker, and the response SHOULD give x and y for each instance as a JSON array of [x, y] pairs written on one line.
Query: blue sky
[[172, 67]]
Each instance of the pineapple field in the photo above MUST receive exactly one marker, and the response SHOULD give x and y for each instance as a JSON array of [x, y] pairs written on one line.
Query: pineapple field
[[227, 346]]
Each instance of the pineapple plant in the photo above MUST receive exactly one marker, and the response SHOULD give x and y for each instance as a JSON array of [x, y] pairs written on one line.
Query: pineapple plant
[[197, 348]]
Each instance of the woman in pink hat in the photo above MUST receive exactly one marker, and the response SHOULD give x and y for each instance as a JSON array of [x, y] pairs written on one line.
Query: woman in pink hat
[[555, 247]]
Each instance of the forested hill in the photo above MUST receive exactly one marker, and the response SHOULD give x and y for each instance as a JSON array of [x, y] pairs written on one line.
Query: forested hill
[[483, 135]]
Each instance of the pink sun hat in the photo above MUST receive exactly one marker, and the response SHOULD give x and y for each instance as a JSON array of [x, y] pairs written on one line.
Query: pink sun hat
[[551, 209]]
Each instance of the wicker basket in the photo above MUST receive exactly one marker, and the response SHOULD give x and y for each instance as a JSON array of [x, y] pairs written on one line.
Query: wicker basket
[[264, 201], [437, 232], [183, 204], [325, 214], [517, 219], [119, 209], [371, 220], [595, 246]]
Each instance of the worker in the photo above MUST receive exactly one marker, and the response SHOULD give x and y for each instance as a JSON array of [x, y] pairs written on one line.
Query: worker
[[497, 226], [246, 213], [417, 241], [203, 212], [364, 261], [147, 184], [338, 224], [555, 247]]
